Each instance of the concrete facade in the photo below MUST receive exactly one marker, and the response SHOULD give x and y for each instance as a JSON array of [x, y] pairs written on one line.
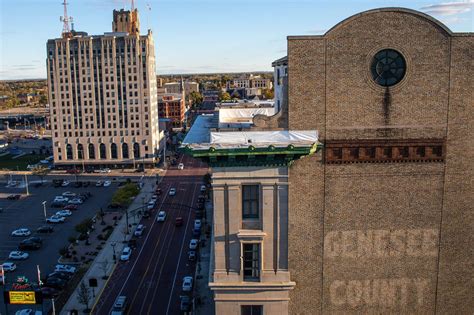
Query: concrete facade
[[381, 221], [231, 231], [103, 99]]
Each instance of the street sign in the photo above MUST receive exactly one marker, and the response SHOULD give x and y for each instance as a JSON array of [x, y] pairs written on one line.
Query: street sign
[[21, 297]]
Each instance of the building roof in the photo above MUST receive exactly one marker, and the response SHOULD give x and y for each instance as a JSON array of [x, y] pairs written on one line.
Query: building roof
[[283, 61]]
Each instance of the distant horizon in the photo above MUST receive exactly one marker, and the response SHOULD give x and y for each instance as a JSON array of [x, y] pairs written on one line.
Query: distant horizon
[[193, 37]]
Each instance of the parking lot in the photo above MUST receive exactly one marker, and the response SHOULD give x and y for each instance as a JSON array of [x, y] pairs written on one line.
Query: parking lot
[[28, 212]]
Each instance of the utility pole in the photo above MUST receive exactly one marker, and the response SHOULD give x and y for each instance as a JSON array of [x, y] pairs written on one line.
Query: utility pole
[[44, 210]]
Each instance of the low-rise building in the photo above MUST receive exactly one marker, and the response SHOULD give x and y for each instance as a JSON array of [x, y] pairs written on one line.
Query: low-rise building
[[172, 106], [280, 76]]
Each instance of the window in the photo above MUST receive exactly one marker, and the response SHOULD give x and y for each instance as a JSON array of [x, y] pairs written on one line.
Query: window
[[251, 261], [388, 67], [250, 198], [251, 310]]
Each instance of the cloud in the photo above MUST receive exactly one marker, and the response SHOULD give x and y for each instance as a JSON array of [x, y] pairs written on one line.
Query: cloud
[[449, 8]]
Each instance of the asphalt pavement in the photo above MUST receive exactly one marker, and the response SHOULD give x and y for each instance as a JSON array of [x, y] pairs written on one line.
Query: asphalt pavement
[[152, 278]]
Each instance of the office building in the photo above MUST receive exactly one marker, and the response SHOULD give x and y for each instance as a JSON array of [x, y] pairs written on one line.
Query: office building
[[172, 106], [103, 99]]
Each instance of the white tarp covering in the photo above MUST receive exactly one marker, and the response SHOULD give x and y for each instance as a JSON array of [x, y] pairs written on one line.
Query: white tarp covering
[[229, 115], [264, 138]]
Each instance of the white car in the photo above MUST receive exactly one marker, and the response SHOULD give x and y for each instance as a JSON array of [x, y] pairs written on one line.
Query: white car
[[203, 188], [154, 198], [180, 166], [126, 252], [65, 183], [69, 194], [187, 283], [61, 199], [150, 205], [17, 255], [104, 170], [161, 216], [193, 244], [55, 219], [197, 224], [75, 201], [9, 266], [21, 232], [172, 192], [64, 213], [139, 230], [28, 311], [99, 183], [64, 268], [107, 183]]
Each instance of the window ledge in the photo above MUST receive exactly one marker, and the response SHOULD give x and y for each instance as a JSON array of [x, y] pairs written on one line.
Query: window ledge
[[251, 234]]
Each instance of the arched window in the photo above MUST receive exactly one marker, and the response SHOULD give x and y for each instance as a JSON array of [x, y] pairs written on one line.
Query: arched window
[[136, 150], [125, 151], [91, 151], [80, 152], [69, 152], [113, 151], [102, 152]]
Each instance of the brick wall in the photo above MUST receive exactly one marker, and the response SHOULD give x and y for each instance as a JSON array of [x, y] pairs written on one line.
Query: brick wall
[[382, 237]]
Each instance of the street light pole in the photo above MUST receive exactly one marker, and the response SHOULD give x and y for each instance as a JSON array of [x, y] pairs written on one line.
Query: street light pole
[[26, 182], [113, 248], [44, 209]]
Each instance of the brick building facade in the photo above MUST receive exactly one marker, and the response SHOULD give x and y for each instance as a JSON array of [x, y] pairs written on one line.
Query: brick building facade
[[385, 225]]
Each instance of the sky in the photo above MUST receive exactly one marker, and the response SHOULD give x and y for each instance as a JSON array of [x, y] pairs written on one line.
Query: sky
[[196, 36]]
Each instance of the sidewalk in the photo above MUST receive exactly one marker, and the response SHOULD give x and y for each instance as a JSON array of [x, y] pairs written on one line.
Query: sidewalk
[[203, 296], [105, 257]]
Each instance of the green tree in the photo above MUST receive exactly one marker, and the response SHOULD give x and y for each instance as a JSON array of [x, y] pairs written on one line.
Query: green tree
[[225, 96], [268, 94], [196, 98], [43, 100], [40, 171]]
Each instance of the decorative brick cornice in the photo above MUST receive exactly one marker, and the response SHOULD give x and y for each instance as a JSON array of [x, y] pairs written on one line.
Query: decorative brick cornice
[[384, 151]]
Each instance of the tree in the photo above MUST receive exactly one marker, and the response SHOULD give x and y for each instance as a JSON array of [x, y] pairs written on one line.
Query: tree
[[268, 94], [196, 98], [224, 96], [84, 295], [103, 266], [41, 172], [43, 100]]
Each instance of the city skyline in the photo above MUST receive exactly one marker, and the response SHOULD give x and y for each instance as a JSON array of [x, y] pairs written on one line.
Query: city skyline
[[191, 37]]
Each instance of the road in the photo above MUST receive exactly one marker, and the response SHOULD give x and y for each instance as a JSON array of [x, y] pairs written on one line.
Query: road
[[152, 278]]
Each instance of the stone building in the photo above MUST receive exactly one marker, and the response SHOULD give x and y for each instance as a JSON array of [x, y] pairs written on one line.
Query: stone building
[[103, 99], [380, 220]]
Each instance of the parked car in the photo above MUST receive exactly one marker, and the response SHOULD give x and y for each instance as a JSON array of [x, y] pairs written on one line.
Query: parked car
[[57, 182], [21, 232], [78, 184], [158, 191], [29, 245], [35, 239], [68, 194], [76, 201], [150, 205], [193, 244], [64, 213], [185, 303], [56, 283], [107, 183], [196, 233], [18, 255], [49, 292], [161, 216], [61, 199], [45, 229], [192, 255], [197, 224], [180, 166], [104, 170], [60, 275], [58, 204], [14, 197], [139, 230], [203, 188], [55, 219], [172, 192], [126, 252], [99, 183], [65, 183], [73, 171], [187, 283], [120, 305], [8, 266], [65, 268], [70, 207], [178, 221]]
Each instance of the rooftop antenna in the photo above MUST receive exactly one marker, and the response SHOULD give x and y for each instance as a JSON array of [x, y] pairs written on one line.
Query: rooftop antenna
[[133, 5], [66, 19]]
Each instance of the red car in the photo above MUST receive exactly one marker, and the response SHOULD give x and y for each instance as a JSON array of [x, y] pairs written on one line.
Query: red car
[[179, 221], [70, 207], [73, 171]]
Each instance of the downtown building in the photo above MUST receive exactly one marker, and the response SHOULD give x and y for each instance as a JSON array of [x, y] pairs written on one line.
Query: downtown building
[[103, 99], [357, 196]]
